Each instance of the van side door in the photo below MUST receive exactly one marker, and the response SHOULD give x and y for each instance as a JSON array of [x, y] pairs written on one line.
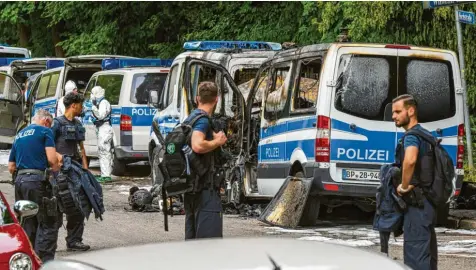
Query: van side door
[[11, 111]]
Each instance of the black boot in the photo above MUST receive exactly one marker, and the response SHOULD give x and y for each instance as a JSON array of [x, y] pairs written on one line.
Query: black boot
[[78, 246]]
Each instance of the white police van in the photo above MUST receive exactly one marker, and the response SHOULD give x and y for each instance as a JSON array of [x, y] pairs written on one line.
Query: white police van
[[127, 83], [17, 71], [49, 86], [6, 51], [326, 115], [241, 59]]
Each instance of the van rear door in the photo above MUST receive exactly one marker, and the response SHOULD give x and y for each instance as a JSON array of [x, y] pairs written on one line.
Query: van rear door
[[11, 110], [362, 135], [432, 77]]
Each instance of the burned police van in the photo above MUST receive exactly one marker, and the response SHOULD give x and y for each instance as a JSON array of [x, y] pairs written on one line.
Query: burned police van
[[240, 59], [324, 113]]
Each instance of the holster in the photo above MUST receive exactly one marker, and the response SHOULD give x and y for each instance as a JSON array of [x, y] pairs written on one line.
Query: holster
[[50, 206], [415, 197]]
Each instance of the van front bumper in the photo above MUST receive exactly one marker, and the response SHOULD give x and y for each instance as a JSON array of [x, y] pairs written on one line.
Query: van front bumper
[[126, 153]]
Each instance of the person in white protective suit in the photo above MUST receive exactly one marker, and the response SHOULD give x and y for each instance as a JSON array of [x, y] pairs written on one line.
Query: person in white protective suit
[[101, 109], [69, 87]]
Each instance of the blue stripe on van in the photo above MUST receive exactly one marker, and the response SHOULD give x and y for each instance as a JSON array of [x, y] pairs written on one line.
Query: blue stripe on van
[[49, 105], [376, 150]]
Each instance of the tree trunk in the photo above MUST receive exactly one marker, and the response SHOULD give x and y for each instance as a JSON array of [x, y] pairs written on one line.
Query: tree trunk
[[59, 52], [24, 33]]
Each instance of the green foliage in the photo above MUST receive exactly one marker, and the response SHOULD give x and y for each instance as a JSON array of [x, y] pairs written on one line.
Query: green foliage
[[158, 29]]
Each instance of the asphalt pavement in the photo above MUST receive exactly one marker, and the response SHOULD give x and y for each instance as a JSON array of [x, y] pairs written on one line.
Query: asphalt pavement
[[457, 248]]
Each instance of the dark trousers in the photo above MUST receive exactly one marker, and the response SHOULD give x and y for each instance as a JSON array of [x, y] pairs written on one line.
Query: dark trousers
[[420, 249], [75, 229], [203, 215], [42, 230]]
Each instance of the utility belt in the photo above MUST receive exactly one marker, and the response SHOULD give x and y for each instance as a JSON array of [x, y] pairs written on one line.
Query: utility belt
[[32, 171]]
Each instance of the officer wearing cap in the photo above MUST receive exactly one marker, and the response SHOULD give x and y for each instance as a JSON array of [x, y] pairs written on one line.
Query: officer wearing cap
[[32, 151]]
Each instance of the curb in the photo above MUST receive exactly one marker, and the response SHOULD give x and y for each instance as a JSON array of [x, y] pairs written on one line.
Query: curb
[[465, 224]]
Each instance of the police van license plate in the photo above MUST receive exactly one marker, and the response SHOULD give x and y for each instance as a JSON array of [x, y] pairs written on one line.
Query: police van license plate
[[360, 175]]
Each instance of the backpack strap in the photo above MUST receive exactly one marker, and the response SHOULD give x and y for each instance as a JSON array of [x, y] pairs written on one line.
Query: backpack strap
[[428, 138], [195, 119]]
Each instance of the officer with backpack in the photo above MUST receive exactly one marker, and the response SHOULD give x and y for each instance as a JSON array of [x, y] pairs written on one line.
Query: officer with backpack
[[69, 135], [195, 176], [415, 155]]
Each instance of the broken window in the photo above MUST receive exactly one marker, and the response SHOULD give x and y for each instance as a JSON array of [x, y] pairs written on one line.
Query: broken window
[[171, 86], [143, 83], [308, 84], [366, 85], [277, 92], [431, 83]]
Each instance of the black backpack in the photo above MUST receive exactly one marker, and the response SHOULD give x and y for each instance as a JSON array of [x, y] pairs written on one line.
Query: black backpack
[[442, 186]]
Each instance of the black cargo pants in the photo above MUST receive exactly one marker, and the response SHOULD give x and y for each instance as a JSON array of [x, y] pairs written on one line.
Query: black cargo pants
[[203, 215], [420, 249], [42, 230]]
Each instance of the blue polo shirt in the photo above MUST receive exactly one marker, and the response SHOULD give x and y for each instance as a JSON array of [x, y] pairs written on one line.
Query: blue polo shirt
[[412, 140], [202, 124], [28, 150]]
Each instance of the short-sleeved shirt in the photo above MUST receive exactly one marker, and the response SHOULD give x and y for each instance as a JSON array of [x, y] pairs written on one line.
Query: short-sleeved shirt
[[28, 150], [65, 147], [412, 140], [202, 124]]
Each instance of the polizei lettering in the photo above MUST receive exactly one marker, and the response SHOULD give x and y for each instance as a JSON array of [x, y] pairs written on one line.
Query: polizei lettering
[[363, 154], [144, 111]]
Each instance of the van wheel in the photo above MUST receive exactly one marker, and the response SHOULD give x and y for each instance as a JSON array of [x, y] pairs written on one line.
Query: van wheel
[[118, 166], [442, 214], [311, 209], [157, 177]]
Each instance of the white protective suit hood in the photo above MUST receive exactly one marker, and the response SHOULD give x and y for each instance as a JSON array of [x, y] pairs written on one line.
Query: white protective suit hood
[[97, 93], [69, 87]]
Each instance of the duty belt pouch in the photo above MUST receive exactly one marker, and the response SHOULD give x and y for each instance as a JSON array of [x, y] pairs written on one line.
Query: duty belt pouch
[[415, 198], [51, 206]]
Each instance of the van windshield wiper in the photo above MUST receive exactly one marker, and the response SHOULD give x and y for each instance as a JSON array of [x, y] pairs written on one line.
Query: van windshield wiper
[[275, 265]]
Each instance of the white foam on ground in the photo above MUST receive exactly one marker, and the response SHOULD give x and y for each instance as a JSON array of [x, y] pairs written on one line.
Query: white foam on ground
[[346, 242], [450, 231], [4, 154]]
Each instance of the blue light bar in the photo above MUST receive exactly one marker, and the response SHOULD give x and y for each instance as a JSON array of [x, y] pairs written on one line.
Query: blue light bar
[[115, 63], [213, 45], [8, 61], [4, 45], [54, 63]]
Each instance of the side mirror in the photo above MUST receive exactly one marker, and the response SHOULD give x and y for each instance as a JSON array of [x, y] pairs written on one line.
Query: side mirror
[[154, 99], [24, 209]]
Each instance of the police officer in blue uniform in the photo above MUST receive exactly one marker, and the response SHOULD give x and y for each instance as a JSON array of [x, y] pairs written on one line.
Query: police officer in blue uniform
[[32, 151], [203, 210], [420, 246], [69, 135]]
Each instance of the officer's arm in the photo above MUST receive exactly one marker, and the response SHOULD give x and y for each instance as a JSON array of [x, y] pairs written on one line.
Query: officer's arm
[[200, 145], [409, 162], [83, 154], [12, 166], [52, 158]]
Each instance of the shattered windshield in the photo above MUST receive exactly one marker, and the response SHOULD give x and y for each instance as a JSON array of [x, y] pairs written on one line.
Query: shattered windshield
[[143, 83], [277, 93], [363, 76]]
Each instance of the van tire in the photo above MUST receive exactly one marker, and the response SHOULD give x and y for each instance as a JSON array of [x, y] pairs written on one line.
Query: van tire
[[442, 214], [118, 166], [311, 209], [157, 177]]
